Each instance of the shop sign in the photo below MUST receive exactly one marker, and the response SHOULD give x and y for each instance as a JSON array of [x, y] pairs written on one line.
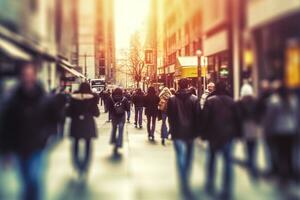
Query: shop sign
[[224, 72], [293, 66]]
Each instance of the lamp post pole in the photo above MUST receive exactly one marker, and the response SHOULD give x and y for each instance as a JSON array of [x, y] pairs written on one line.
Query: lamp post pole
[[199, 82]]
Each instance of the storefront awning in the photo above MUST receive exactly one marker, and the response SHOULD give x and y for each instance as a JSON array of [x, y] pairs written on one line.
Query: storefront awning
[[12, 51], [27, 46], [70, 68]]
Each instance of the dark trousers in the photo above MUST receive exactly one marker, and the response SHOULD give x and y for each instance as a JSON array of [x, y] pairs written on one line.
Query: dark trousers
[[138, 118], [151, 122], [184, 156], [281, 153], [251, 151], [31, 173], [81, 163], [227, 168], [115, 139]]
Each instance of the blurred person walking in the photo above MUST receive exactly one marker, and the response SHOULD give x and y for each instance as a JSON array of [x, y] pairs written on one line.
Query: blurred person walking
[[183, 111], [138, 101], [164, 96], [118, 105], [29, 117], [247, 112], [82, 110], [129, 99], [208, 91], [220, 127], [281, 126], [151, 110]]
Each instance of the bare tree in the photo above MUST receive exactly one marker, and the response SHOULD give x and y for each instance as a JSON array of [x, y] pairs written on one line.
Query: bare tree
[[136, 59]]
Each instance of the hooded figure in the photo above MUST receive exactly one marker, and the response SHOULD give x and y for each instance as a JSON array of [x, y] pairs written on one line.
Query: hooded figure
[[118, 105], [82, 110]]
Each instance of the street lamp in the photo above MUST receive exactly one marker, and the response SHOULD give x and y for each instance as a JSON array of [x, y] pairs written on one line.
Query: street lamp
[[199, 54]]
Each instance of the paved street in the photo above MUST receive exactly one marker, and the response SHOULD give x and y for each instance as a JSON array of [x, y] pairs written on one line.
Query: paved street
[[144, 171]]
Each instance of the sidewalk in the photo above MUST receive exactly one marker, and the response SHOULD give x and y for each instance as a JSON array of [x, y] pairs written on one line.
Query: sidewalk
[[145, 171]]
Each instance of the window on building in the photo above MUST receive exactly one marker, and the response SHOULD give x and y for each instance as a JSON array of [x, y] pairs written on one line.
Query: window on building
[[187, 50]]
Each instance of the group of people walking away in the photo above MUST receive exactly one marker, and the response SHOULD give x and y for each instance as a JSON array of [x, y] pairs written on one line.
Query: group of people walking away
[[30, 117]]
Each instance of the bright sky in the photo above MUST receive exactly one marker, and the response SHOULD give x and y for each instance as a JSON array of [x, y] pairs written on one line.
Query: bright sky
[[129, 17]]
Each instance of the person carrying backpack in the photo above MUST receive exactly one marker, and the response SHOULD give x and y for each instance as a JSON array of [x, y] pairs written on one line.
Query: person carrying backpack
[[118, 105]]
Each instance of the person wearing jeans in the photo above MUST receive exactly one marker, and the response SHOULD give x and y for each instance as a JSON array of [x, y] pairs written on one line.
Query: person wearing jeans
[[138, 102], [138, 117], [164, 96], [117, 139], [118, 105], [183, 111], [220, 125], [28, 119]]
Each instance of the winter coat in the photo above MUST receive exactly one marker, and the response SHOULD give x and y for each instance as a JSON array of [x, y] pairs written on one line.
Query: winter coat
[[247, 111], [163, 99], [138, 99], [151, 105], [82, 110], [183, 113], [125, 104], [220, 120], [28, 120]]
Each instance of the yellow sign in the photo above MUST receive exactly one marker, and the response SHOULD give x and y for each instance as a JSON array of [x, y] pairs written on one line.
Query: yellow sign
[[191, 72], [292, 76]]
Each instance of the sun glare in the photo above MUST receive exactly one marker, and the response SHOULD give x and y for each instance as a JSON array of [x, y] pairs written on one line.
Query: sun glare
[[130, 15]]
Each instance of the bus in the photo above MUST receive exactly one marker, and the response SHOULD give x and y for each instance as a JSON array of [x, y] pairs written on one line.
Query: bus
[[98, 84]]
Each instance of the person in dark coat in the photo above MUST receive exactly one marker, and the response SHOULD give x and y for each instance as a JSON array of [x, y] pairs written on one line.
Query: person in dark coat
[[151, 111], [183, 111], [27, 117], [138, 101], [281, 127], [118, 105], [129, 99], [247, 112], [220, 126], [82, 110]]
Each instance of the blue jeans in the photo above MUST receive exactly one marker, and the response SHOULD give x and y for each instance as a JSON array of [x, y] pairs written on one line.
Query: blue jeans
[[128, 115], [31, 174], [184, 156], [227, 167], [164, 128], [138, 116], [117, 140]]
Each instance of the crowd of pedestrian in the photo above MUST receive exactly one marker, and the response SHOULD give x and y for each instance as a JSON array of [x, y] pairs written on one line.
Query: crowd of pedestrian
[[30, 118]]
